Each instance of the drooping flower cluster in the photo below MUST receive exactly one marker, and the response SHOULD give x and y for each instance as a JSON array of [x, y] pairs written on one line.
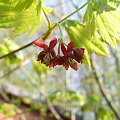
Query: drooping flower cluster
[[71, 56]]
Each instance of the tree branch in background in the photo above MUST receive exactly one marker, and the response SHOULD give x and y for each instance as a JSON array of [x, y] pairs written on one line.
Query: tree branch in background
[[103, 90], [53, 111], [16, 68], [117, 63], [21, 48]]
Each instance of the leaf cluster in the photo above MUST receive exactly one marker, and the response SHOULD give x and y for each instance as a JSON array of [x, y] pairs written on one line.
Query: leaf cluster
[[100, 28], [22, 15]]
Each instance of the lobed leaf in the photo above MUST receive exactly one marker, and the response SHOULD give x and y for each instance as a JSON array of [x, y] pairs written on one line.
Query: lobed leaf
[[83, 39], [106, 30], [22, 5], [24, 21]]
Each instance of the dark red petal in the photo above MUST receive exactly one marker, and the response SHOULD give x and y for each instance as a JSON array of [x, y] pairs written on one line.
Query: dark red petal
[[70, 47], [40, 44], [63, 48], [53, 42], [78, 54], [41, 56], [53, 53], [57, 60], [61, 60], [51, 63], [74, 66], [66, 65]]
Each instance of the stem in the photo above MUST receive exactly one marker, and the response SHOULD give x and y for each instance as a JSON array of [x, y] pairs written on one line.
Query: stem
[[48, 20], [103, 91], [45, 35], [62, 20], [73, 13], [61, 35], [117, 63], [25, 62], [53, 111], [21, 48], [76, 7]]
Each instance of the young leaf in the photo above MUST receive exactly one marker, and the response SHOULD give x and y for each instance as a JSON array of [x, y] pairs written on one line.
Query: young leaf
[[114, 18], [88, 13], [6, 11], [3, 49], [8, 47], [22, 5], [24, 21], [105, 30], [101, 5], [107, 19], [91, 26], [81, 36], [39, 4], [40, 68]]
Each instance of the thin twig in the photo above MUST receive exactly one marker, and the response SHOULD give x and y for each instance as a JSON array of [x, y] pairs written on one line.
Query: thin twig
[[49, 104], [21, 48], [117, 62], [52, 109], [48, 20], [3, 95], [14, 69], [103, 91]]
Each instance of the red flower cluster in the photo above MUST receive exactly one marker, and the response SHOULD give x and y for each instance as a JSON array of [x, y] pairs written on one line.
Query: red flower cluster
[[71, 56]]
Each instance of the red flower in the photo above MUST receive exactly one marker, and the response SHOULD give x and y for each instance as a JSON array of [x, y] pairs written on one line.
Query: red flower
[[68, 60], [78, 54], [59, 60], [72, 55], [48, 51]]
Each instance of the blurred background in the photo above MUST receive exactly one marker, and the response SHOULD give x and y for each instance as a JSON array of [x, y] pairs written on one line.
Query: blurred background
[[31, 91]]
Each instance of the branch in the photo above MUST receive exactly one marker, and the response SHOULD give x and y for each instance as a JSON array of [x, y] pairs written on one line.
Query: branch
[[21, 48], [53, 111], [103, 91], [16, 68], [45, 35], [76, 7], [117, 63], [73, 13]]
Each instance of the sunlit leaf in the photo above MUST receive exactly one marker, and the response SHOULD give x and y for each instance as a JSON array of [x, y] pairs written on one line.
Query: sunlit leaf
[[88, 13], [40, 68], [6, 11], [3, 49], [104, 5], [8, 109], [24, 21], [8, 47], [105, 114], [106, 30], [82, 38], [22, 5]]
